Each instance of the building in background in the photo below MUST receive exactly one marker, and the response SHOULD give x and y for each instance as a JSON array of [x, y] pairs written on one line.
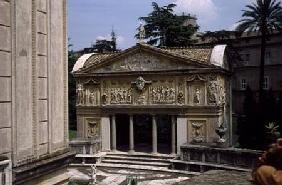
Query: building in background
[[33, 96], [246, 72], [246, 69]]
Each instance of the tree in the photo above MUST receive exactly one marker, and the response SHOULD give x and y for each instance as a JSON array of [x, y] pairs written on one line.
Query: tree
[[104, 45], [218, 37], [72, 58], [263, 16], [164, 28]]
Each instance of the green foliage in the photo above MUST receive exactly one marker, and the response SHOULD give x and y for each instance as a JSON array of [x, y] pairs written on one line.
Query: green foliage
[[262, 16], [72, 134], [221, 36], [72, 58], [251, 129], [164, 28], [103, 45]]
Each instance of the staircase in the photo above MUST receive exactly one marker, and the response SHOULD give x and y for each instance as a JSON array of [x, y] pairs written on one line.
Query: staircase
[[140, 161]]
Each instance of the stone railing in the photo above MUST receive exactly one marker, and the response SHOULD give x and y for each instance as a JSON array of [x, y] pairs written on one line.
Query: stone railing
[[5, 171], [85, 145], [235, 157]]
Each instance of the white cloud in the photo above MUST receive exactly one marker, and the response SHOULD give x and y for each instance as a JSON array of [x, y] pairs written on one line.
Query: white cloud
[[205, 10]]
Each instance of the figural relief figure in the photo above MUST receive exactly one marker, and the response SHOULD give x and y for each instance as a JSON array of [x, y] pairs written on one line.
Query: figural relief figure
[[180, 98], [80, 94], [92, 97], [196, 98], [212, 92]]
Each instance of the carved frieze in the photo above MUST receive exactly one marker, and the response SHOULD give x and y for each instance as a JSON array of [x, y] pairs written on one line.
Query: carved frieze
[[120, 96], [163, 94]]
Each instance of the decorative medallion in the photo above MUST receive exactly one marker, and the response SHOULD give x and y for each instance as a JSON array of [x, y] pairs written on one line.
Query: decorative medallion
[[140, 83]]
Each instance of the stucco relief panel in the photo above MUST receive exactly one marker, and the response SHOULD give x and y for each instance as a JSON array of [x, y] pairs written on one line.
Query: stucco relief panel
[[92, 127], [197, 130]]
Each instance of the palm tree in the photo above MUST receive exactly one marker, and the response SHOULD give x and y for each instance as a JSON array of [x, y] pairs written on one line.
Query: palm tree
[[263, 16]]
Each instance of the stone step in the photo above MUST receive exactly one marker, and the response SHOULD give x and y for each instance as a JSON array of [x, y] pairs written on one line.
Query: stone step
[[136, 158], [204, 166], [140, 154], [138, 167], [157, 164]]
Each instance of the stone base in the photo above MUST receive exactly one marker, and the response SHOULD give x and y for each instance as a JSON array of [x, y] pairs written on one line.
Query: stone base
[[30, 173]]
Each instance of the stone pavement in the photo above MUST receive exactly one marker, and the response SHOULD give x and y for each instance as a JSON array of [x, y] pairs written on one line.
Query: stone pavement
[[118, 177], [220, 177]]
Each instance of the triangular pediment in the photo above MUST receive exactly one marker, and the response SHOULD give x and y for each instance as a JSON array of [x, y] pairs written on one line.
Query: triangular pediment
[[140, 58]]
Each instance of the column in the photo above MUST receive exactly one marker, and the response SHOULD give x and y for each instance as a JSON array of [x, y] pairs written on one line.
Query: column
[[131, 135], [114, 142], [155, 135], [182, 134], [173, 122], [106, 133]]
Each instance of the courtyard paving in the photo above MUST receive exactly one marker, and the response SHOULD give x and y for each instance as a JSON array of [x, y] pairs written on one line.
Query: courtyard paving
[[119, 177]]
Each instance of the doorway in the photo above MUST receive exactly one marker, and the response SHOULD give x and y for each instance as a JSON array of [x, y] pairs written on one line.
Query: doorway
[[122, 132], [143, 133], [164, 133]]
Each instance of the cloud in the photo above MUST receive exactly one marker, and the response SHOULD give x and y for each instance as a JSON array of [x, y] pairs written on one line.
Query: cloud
[[205, 10]]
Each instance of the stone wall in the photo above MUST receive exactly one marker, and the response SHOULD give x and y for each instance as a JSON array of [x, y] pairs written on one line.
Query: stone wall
[[33, 79]]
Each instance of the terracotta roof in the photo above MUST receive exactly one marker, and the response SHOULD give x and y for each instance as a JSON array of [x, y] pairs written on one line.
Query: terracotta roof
[[194, 54], [98, 58]]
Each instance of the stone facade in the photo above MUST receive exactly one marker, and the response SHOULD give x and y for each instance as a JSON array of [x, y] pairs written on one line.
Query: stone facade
[[192, 85], [33, 79]]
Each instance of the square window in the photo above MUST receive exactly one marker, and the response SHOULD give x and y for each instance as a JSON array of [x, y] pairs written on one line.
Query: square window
[[243, 84], [266, 83], [267, 57]]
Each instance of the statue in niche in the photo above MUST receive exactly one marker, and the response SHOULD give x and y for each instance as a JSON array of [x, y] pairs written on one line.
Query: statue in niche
[[80, 94], [197, 94], [212, 92], [92, 97]]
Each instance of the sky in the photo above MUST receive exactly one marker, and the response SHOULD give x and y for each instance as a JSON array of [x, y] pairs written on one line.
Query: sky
[[89, 20]]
